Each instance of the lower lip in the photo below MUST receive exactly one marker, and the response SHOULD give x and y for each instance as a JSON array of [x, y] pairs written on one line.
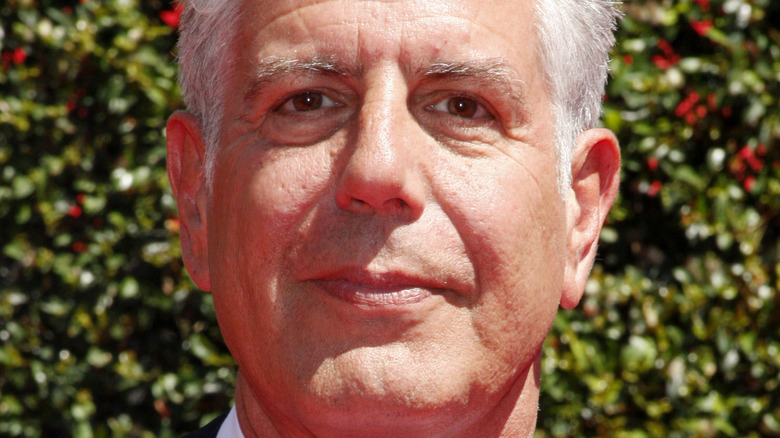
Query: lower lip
[[362, 295]]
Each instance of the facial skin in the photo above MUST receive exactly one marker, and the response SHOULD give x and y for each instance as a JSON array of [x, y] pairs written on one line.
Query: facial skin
[[384, 237]]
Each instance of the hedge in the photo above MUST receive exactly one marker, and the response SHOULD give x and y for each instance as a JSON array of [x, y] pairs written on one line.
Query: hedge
[[102, 333]]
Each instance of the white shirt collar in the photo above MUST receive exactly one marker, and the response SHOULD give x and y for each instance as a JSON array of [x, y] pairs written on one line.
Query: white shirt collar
[[230, 427]]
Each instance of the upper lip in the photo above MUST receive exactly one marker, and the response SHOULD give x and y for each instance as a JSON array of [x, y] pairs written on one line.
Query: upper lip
[[389, 278]]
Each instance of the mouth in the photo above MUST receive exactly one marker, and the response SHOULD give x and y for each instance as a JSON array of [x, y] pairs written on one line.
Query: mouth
[[372, 290]]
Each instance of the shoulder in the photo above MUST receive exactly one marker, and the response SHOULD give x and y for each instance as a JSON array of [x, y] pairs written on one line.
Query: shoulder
[[210, 430]]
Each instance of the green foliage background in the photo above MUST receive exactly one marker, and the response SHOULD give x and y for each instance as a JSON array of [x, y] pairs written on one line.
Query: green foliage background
[[103, 334]]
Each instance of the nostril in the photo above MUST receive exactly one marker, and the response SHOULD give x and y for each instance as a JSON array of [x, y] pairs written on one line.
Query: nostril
[[396, 205], [393, 206], [354, 205]]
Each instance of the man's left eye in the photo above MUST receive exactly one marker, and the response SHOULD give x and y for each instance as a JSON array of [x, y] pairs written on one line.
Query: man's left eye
[[461, 107], [308, 101]]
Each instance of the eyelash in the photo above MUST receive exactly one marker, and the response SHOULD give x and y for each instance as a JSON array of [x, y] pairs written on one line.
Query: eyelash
[[443, 105], [327, 102]]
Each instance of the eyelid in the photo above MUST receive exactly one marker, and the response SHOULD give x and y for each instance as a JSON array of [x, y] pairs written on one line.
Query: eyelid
[[441, 105], [286, 105]]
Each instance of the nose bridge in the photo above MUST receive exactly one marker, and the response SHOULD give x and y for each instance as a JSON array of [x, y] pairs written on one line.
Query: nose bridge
[[382, 173], [382, 128]]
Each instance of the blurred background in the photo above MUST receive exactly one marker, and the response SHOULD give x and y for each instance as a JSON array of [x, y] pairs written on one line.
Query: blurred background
[[102, 333]]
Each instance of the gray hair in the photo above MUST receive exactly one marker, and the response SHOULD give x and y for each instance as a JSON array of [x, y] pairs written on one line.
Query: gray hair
[[575, 37], [207, 33]]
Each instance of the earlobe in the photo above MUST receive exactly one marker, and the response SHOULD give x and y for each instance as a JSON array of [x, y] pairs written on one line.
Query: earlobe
[[596, 176], [186, 164]]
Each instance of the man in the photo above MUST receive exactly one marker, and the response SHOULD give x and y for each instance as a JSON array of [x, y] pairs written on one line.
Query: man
[[389, 200]]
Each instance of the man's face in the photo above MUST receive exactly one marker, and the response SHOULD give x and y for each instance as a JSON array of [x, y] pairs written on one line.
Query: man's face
[[385, 234]]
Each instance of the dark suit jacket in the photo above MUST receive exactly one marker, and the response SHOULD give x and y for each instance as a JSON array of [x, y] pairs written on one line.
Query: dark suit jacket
[[210, 430]]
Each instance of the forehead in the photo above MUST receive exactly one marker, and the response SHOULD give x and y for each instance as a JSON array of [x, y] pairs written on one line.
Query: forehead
[[408, 30]]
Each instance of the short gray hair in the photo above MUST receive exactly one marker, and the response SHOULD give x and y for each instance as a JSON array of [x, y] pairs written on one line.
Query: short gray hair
[[575, 37], [207, 33]]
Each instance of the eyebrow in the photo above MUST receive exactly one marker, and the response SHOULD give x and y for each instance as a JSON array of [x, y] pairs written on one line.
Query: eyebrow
[[494, 74], [273, 67]]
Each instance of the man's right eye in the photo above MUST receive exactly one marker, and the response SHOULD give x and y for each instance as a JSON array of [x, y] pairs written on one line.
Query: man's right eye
[[308, 101]]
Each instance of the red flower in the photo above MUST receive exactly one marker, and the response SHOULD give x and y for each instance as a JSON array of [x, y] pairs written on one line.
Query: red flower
[[75, 211], [628, 59], [756, 164], [172, 18], [666, 47], [654, 188], [712, 102], [19, 55], [704, 4], [738, 168], [684, 107], [652, 164], [661, 62], [746, 161], [745, 153], [669, 58], [749, 183], [78, 247], [701, 27], [162, 408]]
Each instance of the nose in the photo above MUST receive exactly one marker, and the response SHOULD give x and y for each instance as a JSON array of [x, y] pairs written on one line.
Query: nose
[[383, 173]]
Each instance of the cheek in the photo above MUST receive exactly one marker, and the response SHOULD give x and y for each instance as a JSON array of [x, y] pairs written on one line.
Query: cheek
[[262, 199], [511, 220], [263, 195]]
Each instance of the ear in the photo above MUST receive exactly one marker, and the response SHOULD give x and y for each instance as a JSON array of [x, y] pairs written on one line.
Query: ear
[[186, 166], [595, 179]]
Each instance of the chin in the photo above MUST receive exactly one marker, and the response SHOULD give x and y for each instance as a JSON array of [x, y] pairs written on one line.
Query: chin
[[391, 411], [390, 392]]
